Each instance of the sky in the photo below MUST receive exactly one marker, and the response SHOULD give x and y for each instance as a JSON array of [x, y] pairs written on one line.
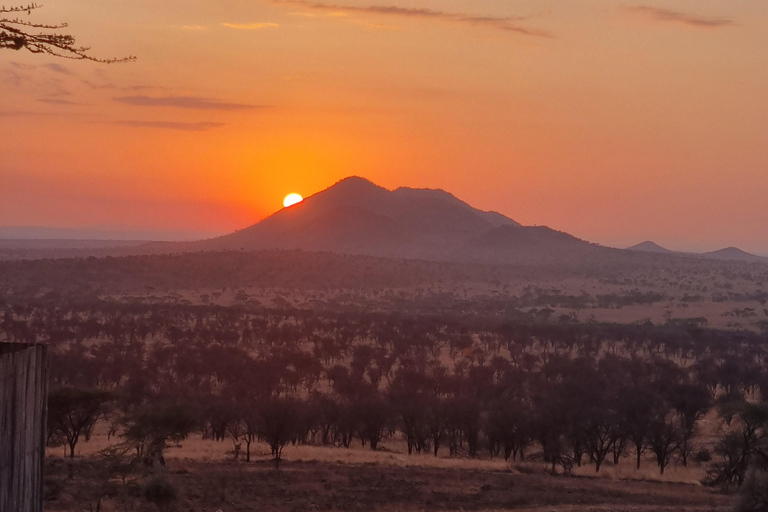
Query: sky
[[617, 122]]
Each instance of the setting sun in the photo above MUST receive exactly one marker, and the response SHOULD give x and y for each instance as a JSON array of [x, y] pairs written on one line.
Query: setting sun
[[292, 199]]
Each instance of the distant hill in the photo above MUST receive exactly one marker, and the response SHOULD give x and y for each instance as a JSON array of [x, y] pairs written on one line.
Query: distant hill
[[734, 254], [649, 246], [356, 216], [727, 254]]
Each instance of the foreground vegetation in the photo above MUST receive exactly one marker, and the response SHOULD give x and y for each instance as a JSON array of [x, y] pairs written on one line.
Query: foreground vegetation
[[194, 485], [486, 376]]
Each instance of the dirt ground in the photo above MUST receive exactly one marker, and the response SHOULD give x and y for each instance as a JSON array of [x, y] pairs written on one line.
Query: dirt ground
[[308, 486], [357, 479]]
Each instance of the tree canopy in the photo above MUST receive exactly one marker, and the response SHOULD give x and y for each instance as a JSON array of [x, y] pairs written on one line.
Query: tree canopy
[[17, 33]]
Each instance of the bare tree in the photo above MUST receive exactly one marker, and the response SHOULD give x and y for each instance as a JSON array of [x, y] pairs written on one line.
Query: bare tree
[[18, 33]]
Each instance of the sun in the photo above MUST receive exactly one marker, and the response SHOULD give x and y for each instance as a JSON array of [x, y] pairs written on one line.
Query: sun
[[292, 199]]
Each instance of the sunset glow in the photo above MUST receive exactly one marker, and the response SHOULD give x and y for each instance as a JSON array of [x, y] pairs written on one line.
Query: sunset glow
[[612, 121]]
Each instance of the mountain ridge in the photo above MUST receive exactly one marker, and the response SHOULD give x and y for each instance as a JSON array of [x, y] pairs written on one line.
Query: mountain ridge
[[725, 254], [356, 216]]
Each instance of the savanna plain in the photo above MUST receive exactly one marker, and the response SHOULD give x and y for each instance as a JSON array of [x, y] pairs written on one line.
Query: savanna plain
[[291, 380]]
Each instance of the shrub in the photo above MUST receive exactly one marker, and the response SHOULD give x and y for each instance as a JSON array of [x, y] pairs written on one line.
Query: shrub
[[703, 455], [160, 491], [753, 495]]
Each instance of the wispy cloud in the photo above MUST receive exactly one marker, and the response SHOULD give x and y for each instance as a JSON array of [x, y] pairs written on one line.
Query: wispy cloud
[[58, 68], [250, 26], [21, 65], [186, 102], [194, 28], [21, 113], [57, 101], [171, 125], [505, 23], [29, 113], [661, 14]]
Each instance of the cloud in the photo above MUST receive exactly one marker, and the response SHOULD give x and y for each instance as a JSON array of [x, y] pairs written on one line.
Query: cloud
[[194, 28], [187, 102], [660, 14], [29, 113], [21, 113], [56, 101], [20, 65], [170, 125], [250, 26], [57, 68], [505, 23]]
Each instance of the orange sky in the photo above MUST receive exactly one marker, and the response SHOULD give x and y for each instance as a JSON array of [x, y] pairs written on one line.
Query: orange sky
[[615, 121]]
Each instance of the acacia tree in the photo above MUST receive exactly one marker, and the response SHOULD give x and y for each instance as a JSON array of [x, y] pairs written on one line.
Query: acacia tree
[[278, 423], [743, 447], [17, 33], [73, 412], [150, 428]]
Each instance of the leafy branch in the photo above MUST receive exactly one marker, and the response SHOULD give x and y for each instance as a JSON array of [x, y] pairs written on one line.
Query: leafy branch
[[17, 33]]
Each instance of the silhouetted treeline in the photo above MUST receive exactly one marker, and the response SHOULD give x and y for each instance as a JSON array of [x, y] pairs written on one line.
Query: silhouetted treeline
[[154, 277], [570, 393]]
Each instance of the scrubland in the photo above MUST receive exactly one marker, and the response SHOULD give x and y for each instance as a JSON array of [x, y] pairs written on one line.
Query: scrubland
[[535, 386]]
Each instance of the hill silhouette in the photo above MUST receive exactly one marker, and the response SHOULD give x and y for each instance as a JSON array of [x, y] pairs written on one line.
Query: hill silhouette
[[734, 254], [727, 254], [356, 216], [649, 246]]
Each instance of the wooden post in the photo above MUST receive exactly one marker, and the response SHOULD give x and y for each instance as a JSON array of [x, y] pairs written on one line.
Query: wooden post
[[23, 410]]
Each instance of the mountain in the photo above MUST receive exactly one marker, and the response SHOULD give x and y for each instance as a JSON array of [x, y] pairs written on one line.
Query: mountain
[[356, 216], [727, 254], [734, 254], [649, 246]]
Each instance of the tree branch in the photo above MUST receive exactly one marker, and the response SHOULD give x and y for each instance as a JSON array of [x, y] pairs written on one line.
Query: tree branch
[[15, 35]]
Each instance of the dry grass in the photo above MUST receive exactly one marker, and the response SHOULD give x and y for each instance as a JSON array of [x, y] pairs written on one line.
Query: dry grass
[[310, 486], [393, 453]]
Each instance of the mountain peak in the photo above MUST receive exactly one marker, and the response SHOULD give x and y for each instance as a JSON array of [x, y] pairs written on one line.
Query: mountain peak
[[649, 246], [352, 189], [355, 178], [356, 216], [354, 182]]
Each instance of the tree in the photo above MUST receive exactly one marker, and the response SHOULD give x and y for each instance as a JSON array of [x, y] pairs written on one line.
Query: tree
[[73, 412], [508, 423], [599, 436], [372, 415], [435, 419], [250, 424], [742, 447], [691, 401], [17, 33], [753, 495], [409, 402], [152, 426], [278, 420], [664, 438], [463, 424], [637, 404], [160, 491]]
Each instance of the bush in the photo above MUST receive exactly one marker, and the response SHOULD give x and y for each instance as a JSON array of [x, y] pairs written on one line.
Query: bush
[[753, 495], [703, 455], [160, 491], [152, 427], [524, 469]]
